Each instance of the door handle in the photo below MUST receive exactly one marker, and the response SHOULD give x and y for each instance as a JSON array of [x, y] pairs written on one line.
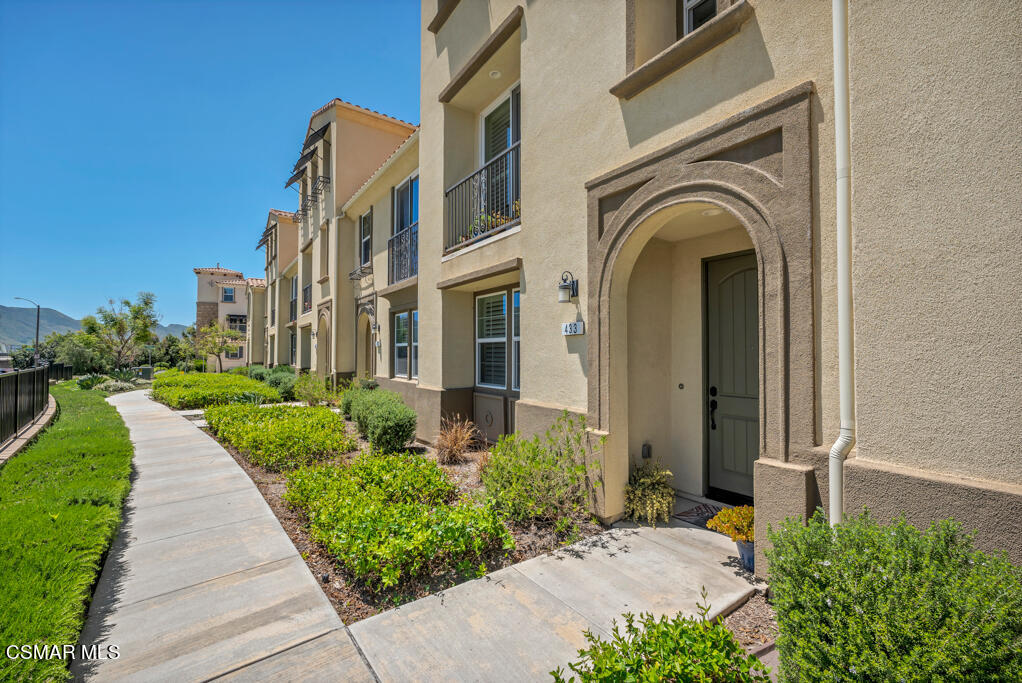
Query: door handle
[[713, 409]]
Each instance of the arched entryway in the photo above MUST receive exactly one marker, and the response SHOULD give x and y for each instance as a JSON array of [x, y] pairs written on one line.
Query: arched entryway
[[739, 196], [324, 347], [364, 351]]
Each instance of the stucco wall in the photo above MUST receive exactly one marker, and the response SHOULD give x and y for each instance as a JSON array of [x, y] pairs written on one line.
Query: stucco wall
[[937, 226], [573, 130]]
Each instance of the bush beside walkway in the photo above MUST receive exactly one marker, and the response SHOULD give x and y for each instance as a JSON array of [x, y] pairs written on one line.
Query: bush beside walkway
[[60, 507], [183, 390]]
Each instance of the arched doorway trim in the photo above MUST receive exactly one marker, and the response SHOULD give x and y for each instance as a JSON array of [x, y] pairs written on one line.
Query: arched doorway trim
[[757, 166]]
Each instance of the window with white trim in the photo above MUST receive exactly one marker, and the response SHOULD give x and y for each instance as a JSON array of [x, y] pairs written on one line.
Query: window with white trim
[[228, 296], [366, 237], [516, 341], [491, 340], [406, 344]]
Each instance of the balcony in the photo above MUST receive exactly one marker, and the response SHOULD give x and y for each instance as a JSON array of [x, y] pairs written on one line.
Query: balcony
[[293, 312], [306, 298], [403, 254], [486, 202]]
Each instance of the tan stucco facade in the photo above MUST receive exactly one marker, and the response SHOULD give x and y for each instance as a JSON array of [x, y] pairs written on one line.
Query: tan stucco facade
[[639, 157], [222, 294]]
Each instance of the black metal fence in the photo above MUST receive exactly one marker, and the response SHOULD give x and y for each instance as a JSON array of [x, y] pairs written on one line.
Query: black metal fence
[[23, 396], [485, 202], [403, 254], [60, 372]]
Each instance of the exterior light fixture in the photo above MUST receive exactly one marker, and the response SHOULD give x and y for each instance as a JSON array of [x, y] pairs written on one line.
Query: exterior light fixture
[[567, 288], [495, 74]]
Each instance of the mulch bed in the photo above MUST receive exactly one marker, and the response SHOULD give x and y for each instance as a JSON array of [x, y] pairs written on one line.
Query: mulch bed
[[352, 601], [754, 623]]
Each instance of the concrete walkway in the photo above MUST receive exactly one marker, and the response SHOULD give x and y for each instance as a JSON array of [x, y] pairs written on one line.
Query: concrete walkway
[[521, 622], [202, 581]]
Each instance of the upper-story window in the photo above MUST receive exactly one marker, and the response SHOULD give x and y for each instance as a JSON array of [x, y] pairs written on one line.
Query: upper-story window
[[365, 222], [501, 125], [406, 204], [228, 295], [237, 323], [691, 14]]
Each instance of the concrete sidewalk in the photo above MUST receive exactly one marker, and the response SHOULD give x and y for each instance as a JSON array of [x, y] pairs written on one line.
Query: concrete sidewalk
[[202, 581], [521, 622]]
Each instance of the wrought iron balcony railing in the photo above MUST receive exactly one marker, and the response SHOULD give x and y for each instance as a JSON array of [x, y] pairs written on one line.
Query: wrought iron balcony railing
[[403, 254], [306, 298], [293, 311], [485, 202]]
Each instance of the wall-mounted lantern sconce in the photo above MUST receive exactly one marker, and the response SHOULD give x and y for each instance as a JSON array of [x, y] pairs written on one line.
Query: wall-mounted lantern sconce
[[567, 288]]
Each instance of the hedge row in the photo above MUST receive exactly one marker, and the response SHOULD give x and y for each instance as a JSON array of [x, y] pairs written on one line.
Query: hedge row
[[199, 390], [281, 437], [388, 517]]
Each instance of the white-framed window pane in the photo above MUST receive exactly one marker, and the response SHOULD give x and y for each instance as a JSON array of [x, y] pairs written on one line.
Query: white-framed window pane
[[491, 316], [401, 344], [516, 353], [492, 363], [415, 344], [367, 232], [228, 294]]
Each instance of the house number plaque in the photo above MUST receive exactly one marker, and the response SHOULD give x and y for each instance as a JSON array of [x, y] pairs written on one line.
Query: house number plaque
[[573, 328]]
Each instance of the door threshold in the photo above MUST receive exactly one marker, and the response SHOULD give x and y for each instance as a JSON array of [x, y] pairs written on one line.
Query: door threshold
[[729, 498]]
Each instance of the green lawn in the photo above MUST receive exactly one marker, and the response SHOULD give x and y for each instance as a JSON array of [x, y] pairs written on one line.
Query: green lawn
[[60, 506]]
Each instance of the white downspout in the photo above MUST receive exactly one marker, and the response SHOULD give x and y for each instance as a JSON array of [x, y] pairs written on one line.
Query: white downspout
[[846, 379]]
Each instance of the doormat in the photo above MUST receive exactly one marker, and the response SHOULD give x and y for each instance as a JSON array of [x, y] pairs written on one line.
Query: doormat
[[695, 513]]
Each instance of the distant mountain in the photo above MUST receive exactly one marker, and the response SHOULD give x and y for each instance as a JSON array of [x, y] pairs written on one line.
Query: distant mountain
[[17, 325]]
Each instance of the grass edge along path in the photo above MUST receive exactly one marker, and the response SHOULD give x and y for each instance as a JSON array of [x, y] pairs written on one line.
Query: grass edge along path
[[61, 500]]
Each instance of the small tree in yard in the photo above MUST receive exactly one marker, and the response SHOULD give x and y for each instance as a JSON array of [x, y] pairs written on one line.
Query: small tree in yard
[[122, 329], [217, 339]]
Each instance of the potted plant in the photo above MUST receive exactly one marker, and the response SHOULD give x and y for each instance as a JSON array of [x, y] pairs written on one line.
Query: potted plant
[[738, 524]]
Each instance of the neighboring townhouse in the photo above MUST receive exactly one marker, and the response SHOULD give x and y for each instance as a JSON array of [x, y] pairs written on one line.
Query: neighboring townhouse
[[280, 243], [222, 295], [384, 215], [632, 211], [255, 339], [344, 144]]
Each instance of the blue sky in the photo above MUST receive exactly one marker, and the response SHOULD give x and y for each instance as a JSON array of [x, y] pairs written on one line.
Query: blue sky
[[140, 139]]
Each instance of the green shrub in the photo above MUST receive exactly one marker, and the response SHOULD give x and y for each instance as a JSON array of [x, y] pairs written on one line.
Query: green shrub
[[387, 518], [280, 437], [199, 390], [282, 370], [184, 366], [161, 366], [114, 386], [60, 507], [258, 372], [242, 370], [90, 381], [544, 480], [123, 375], [284, 383], [666, 649], [383, 419], [649, 493], [198, 365], [347, 398], [311, 390], [867, 602]]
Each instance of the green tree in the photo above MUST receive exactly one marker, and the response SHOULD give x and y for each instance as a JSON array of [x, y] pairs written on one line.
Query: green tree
[[170, 350], [216, 339], [23, 357], [83, 352], [123, 328]]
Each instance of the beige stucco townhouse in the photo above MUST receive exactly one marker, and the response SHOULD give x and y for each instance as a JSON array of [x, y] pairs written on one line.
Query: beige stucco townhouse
[[222, 294], [343, 145], [633, 210]]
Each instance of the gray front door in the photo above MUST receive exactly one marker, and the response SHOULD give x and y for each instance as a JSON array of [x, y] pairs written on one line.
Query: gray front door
[[732, 346]]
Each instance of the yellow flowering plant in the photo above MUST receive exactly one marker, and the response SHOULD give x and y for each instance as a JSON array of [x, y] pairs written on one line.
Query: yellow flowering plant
[[735, 522]]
